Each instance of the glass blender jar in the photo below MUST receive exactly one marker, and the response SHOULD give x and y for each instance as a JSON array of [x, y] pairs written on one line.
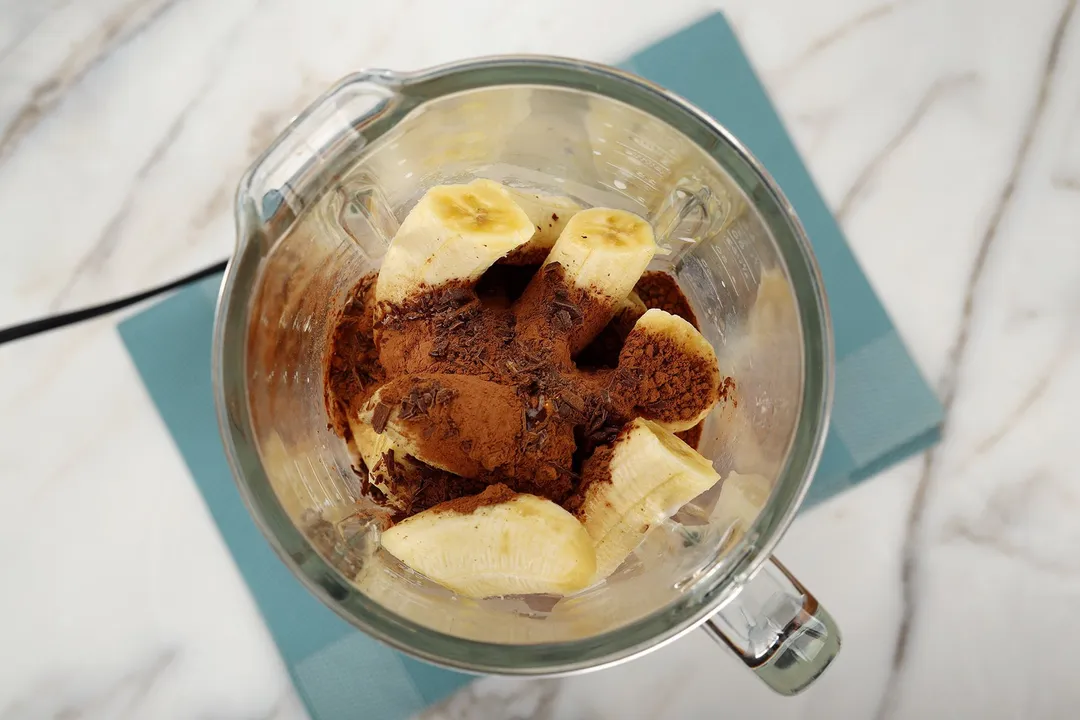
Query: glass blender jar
[[315, 213]]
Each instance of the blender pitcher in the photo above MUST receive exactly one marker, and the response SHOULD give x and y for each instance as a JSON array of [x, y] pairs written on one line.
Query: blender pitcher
[[315, 214]]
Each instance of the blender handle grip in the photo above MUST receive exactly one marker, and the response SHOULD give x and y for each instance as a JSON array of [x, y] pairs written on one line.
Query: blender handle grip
[[338, 118], [778, 629]]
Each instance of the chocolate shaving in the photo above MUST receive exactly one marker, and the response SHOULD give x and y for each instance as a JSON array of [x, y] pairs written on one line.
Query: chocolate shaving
[[565, 410], [439, 348], [574, 400], [564, 471], [379, 417], [570, 308], [598, 418]]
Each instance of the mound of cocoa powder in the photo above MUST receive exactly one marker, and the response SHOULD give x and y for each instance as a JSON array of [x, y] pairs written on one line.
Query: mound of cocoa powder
[[493, 495], [669, 385], [480, 429], [532, 410], [661, 291]]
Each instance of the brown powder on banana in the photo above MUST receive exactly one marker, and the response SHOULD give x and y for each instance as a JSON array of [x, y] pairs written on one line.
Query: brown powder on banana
[[514, 334]]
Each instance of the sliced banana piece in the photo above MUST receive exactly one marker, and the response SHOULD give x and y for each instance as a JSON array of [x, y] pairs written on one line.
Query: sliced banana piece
[[590, 270], [669, 371], [549, 214], [377, 452], [454, 233], [424, 416], [496, 543], [641, 479], [465, 425], [604, 251]]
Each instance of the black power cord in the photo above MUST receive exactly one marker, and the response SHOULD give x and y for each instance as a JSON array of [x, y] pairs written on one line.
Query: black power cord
[[17, 332]]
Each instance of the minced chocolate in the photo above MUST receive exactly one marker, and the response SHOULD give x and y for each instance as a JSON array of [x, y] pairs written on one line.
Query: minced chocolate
[[424, 485], [492, 384]]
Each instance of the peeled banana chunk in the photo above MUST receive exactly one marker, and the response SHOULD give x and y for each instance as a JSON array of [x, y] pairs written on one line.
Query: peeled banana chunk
[[669, 371], [589, 272], [454, 233], [466, 425], [496, 543], [640, 480]]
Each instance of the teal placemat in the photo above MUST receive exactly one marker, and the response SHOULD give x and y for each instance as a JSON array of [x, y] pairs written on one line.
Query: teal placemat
[[884, 410]]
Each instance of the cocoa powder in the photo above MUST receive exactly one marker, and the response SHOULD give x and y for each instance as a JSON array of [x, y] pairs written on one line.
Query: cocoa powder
[[661, 291], [667, 384], [428, 486], [352, 372], [467, 505], [482, 430], [482, 382]]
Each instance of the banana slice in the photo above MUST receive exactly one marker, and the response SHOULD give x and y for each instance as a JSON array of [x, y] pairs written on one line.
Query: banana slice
[[590, 270], [466, 426], [604, 252], [549, 214], [496, 543], [641, 479], [424, 415], [455, 232], [378, 451], [669, 371]]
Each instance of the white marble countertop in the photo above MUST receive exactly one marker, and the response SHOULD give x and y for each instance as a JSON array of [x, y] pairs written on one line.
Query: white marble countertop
[[946, 134]]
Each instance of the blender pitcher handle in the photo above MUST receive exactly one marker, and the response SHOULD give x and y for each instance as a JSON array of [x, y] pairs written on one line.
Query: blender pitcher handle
[[286, 175], [778, 629]]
